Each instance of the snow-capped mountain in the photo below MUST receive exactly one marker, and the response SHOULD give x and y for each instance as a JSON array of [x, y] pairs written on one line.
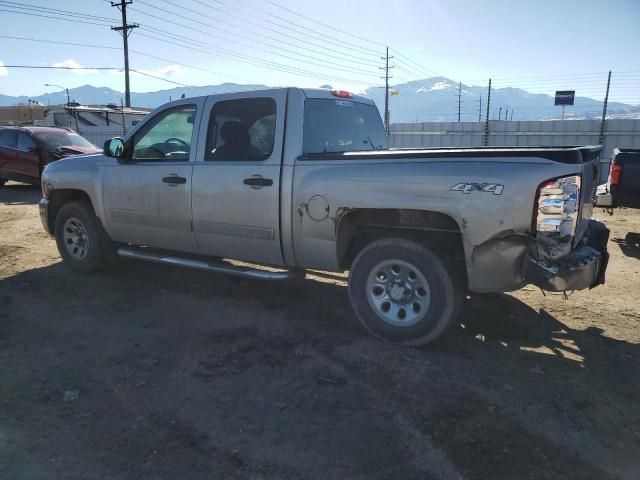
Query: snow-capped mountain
[[436, 99]]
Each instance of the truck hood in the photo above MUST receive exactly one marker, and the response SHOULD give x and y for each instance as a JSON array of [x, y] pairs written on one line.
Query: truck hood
[[89, 157], [66, 151]]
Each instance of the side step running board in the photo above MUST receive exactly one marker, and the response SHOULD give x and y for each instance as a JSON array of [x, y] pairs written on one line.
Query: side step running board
[[217, 266]]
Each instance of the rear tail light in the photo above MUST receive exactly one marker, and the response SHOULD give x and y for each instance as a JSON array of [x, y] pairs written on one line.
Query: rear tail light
[[556, 207], [341, 94], [614, 174]]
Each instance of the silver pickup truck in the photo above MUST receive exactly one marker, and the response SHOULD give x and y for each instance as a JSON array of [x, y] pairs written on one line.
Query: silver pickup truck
[[291, 179]]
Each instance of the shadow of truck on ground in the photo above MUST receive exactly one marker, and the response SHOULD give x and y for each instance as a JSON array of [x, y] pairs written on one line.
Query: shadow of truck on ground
[[192, 375]]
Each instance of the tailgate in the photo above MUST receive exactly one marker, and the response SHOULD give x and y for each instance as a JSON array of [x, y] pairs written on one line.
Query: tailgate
[[589, 183]]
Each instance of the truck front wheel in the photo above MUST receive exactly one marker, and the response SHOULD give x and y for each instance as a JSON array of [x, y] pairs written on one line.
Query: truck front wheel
[[78, 237], [402, 292]]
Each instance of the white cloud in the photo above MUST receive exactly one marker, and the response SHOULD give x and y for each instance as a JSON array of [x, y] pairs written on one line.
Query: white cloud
[[3, 71], [74, 66]]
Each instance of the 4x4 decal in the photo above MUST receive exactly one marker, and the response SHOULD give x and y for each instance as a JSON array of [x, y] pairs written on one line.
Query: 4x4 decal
[[494, 188]]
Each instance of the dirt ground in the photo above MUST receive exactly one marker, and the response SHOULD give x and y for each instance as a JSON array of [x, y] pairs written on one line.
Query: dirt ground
[[162, 373]]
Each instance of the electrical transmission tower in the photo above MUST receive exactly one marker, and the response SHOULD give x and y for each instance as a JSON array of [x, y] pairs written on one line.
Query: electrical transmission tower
[[386, 89], [125, 30]]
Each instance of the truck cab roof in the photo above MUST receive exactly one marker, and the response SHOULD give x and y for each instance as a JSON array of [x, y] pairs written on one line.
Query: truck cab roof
[[322, 93]]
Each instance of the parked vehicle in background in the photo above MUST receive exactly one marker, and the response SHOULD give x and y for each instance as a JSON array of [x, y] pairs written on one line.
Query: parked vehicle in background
[[24, 151], [303, 179], [623, 185]]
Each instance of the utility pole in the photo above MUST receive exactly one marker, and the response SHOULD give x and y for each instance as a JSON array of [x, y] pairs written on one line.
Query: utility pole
[[604, 111], [459, 99], [124, 127], [386, 90], [480, 109], [124, 30], [512, 114], [486, 124], [506, 114], [500, 114]]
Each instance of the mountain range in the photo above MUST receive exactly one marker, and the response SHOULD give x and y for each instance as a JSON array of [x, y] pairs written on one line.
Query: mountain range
[[431, 99]]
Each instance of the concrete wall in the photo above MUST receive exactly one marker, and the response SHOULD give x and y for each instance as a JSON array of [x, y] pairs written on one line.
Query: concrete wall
[[622, 133]]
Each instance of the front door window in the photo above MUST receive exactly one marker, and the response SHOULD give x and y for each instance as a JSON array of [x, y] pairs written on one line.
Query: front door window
[[167, 138]]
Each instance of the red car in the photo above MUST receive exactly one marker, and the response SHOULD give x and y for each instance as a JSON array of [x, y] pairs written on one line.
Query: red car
[[24, 151]]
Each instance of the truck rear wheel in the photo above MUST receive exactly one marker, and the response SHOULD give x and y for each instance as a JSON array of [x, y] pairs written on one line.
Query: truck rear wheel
[[78, 237], [402, 292]]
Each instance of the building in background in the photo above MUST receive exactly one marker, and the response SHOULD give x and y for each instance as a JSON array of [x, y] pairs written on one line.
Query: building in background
[[22, 114]]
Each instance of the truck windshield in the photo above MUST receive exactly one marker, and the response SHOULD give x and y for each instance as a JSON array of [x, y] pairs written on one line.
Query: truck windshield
[[336, 126]]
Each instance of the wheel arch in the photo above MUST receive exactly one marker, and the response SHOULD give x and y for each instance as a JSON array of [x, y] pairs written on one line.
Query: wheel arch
[[358, 228], [60, 197]]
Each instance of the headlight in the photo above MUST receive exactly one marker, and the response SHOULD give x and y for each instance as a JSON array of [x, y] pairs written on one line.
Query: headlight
[[557, 205]]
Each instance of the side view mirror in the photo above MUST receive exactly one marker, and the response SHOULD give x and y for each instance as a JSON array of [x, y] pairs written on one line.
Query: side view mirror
[[114, 147]]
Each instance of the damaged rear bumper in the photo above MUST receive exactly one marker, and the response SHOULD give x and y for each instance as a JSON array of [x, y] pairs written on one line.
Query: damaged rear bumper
[[584, 267]]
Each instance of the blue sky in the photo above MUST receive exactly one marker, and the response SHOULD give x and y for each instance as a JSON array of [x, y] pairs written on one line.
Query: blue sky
[[539, 45]]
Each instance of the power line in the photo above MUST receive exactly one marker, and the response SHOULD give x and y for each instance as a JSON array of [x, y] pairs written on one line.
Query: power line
[[351, 35], [55, 18], [82, 16], [325, 49], [325, 25], [408, 62], [9, 37], [55, 11], [254, 47], [175, 62], [570, 75], [50, 67], [87, 45], [306, 29], [61, 67], [256, 61], [338, 66], [159, 78]]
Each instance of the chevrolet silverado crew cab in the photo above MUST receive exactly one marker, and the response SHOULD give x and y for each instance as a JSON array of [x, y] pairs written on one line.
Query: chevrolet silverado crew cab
[[292, 179]]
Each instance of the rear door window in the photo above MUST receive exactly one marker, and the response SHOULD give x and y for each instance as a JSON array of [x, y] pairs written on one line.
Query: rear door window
[[242, 129], [26, 143], [336, 126]]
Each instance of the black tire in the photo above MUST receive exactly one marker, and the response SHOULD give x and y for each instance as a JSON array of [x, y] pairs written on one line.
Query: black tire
[[444, 292], [94, 258]]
